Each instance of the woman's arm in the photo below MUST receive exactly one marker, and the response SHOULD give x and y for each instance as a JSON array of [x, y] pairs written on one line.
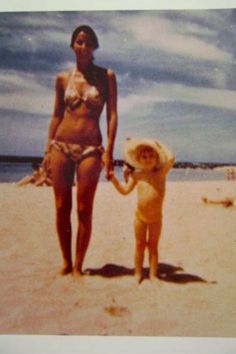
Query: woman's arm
[[56, 118], [58, 110], [111, 121], [123, 188]]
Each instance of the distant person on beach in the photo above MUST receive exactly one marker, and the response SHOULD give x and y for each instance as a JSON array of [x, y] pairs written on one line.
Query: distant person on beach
[[230, 174], [75, 142], [226, 202], [152, 162], [38, 178]]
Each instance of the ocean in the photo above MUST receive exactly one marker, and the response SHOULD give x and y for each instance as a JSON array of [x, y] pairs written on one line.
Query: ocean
[[13, 171]]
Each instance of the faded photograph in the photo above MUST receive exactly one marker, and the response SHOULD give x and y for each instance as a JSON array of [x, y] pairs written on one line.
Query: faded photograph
[[118, 173]]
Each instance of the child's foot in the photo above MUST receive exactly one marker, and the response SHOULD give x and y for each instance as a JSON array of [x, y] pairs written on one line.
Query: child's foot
[[153, 278], [138, 278]]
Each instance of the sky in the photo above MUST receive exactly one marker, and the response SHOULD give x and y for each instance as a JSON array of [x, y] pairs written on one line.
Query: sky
[[175, 69]]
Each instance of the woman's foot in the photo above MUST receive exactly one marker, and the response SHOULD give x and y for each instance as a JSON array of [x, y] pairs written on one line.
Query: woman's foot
[[77, 274], [67, 269]]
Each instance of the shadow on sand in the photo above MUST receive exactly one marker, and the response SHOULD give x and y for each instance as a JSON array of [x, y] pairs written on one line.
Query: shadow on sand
[[166, 272]]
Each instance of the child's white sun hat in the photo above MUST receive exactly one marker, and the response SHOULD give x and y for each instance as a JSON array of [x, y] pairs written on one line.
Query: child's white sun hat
[[132, 146]]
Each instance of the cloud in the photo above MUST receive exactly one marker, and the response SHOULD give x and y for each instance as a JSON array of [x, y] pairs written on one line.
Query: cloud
[[174, 69], [170, 37], [24, 133], [148, 93], [40, 20], [23, 92], [215, 98]]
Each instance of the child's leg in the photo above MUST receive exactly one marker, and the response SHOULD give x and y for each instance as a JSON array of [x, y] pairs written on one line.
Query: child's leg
[[154, 236], [140, 235]]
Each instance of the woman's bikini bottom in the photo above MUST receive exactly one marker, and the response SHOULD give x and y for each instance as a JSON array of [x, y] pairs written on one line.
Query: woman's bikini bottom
[[77, 152]]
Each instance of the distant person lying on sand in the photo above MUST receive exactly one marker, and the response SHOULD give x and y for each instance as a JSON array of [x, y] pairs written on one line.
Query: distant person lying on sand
[[38, 178], [152, 162], [226, 202]]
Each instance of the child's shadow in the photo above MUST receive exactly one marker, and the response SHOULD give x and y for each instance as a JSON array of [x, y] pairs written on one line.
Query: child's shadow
[[166, 272]]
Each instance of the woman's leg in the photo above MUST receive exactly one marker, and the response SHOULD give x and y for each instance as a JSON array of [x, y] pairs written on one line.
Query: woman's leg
[[140, 236], [62, 181], [88, 172], [154, 236]]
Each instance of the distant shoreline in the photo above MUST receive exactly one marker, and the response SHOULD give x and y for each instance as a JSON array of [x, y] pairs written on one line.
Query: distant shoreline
[[119, 162], [14, 158]]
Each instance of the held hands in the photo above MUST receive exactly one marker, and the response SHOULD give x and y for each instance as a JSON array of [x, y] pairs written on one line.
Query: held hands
[[108, 163], [126, 172]]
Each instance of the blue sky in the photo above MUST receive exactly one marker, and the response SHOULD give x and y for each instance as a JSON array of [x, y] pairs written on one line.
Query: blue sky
[[176, 73]]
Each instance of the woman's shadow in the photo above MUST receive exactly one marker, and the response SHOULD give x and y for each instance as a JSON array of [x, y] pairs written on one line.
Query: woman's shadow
[[166, 272]]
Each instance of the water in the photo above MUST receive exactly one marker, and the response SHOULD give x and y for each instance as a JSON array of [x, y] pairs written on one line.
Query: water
[[13, 172]]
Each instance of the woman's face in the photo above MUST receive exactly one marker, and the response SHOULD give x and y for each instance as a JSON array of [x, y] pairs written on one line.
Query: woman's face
[[83, 46]]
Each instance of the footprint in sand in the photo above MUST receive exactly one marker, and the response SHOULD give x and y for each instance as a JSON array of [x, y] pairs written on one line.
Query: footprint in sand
[[117, 311]]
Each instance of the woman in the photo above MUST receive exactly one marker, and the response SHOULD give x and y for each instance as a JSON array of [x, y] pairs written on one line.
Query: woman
[[74, 142]]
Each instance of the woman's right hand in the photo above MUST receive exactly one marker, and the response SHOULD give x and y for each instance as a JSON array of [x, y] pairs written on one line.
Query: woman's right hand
[[46, 163]]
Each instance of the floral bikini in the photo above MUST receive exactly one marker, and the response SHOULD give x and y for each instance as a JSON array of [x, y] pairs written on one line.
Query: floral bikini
[[93, 99]]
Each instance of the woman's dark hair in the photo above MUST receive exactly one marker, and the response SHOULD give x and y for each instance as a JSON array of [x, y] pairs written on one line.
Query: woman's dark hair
[[85, 29]]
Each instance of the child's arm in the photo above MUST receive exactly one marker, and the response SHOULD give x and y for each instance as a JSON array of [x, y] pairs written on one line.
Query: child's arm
[[123, 188], [169, 165], [170, 161], [127, 171]]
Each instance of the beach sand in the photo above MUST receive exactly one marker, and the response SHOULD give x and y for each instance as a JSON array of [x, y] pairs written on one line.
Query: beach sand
[[195, 295]]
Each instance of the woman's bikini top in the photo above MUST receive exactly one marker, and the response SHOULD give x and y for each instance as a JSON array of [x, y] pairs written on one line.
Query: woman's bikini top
[[91, 97]]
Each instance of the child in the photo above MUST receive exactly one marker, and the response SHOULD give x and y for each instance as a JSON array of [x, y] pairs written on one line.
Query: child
[[152, 162]]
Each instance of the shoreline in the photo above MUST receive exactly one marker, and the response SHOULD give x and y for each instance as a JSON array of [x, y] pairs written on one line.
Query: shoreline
[[176, 174], [119, 162]]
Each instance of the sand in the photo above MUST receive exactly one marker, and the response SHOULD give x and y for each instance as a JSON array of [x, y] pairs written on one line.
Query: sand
[[195, 295]]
